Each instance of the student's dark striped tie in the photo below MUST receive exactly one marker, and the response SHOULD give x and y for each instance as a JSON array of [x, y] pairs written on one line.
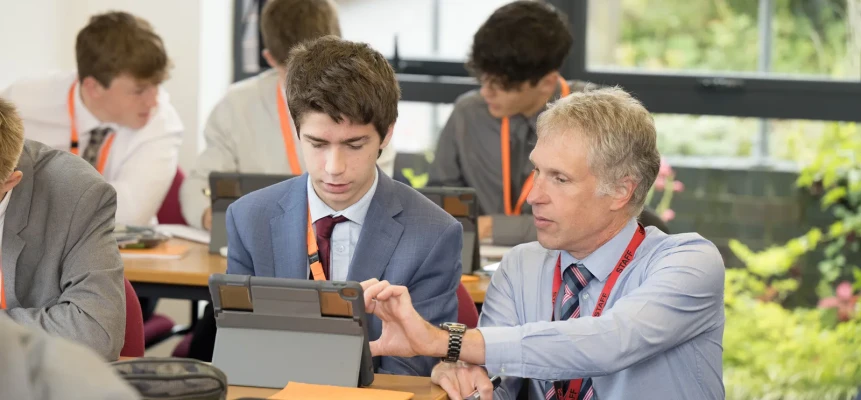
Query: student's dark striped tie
[[574, 280]]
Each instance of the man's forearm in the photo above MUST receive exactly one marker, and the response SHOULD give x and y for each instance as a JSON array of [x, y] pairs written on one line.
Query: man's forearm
[[471, 349]]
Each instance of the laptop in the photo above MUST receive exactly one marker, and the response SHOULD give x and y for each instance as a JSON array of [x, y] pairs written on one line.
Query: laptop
[[462, 204], [227, 187]]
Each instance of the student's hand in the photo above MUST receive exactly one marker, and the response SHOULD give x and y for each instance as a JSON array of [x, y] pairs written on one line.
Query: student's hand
[[460, 380], [405, 332], [485, 227], [206, 220]]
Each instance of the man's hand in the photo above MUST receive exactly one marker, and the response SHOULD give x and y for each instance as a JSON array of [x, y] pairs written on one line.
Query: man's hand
[[460, 380], [405, 332], [206, 219], [485, 227]]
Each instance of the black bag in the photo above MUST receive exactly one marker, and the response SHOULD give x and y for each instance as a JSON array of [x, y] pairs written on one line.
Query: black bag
[[173, 378]]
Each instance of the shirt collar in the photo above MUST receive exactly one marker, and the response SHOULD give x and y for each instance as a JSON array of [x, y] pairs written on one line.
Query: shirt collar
[[4, 204], [602, 261], [84, 119], [355, 213]]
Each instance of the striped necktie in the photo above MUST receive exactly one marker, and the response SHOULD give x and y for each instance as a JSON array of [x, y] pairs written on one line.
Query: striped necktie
[[97, 137], [575, 278]]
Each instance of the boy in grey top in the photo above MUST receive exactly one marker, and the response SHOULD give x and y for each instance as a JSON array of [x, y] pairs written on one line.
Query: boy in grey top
[[35, 365], [516, 55]]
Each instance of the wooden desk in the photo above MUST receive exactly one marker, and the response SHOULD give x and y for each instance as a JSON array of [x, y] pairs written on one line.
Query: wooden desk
[[476, 285], [188, 277], [185, 278], [421, 386]]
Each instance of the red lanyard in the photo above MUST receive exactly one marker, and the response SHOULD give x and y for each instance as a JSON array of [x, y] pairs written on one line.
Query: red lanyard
[[106, 147], [574, 385], [287, 134], [505, 140]]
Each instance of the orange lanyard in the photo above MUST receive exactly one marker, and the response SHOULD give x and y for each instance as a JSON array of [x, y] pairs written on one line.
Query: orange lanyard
[[626, 258], [106, 147], [287, 133], [314, 254], [505, 135]]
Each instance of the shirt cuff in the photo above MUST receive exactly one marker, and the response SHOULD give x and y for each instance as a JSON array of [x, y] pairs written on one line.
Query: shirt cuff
[[502, 350]]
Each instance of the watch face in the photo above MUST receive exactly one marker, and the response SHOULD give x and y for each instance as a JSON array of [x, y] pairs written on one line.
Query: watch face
[[453, 326]]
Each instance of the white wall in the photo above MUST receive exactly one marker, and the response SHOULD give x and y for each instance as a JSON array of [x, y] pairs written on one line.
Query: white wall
[[39, 36]]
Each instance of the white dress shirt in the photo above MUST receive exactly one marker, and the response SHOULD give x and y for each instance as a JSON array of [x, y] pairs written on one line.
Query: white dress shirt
[[141, 164], [4, 204], [243, 134], [346, 234]]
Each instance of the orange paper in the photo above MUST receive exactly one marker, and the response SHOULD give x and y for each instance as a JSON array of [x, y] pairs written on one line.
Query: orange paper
[[295, 390], [468, 278]]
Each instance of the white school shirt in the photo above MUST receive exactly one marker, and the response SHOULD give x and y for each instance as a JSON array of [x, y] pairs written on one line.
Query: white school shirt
[[141, 164], [4, 204]]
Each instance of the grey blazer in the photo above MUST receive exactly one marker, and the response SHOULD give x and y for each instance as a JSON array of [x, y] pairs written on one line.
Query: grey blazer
[[406, 239], [61, 267], [35, 365]]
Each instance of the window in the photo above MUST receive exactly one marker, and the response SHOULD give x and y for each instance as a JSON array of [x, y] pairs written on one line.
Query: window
[[799, 40], [426, 29]]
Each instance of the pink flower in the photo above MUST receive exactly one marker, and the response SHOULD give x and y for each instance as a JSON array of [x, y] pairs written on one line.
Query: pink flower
[[665, 169], [678, 186], [668, 215], [660, 184], [844, 301]]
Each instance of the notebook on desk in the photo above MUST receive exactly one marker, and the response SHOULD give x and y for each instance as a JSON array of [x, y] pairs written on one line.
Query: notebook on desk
[[296, 390]]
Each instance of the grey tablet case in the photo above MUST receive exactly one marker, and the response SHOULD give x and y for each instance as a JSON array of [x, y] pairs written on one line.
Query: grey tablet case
[[272, 331], [462, 204], [224, 189]]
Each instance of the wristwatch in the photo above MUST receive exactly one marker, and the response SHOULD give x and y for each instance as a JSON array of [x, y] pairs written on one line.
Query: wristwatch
[[455, 340]]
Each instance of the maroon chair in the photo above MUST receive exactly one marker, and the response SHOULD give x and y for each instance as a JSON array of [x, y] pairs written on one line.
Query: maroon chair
[[181, 349], [467, 313], [134, 340], [170, 211], [159, 327]]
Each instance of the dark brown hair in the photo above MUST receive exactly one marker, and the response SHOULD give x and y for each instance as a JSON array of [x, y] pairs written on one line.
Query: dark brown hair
[[286, 23], [521, 41], [342, 79], [116, 43]]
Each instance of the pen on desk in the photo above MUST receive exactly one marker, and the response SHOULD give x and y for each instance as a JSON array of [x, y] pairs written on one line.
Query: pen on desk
[[495, 380]]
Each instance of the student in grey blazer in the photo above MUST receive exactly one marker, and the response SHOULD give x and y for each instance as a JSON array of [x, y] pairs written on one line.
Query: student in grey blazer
[[244, 130], [35, 365], [377, 228], [61, 269]]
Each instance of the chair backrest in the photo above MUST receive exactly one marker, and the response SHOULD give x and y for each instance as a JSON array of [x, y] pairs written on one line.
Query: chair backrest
[[467, 314], [171, 211], [134, 344]]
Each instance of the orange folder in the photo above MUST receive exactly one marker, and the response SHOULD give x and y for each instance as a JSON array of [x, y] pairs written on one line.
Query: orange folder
[[295, 390]]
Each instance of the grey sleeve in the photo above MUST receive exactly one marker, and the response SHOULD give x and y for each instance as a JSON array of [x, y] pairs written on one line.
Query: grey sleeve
[[36, 365], [220, 155], [91, 308], [513, 230], [445, 170]]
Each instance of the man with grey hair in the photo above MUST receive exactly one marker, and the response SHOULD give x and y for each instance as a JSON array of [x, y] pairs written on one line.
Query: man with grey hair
[[599, 307]]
